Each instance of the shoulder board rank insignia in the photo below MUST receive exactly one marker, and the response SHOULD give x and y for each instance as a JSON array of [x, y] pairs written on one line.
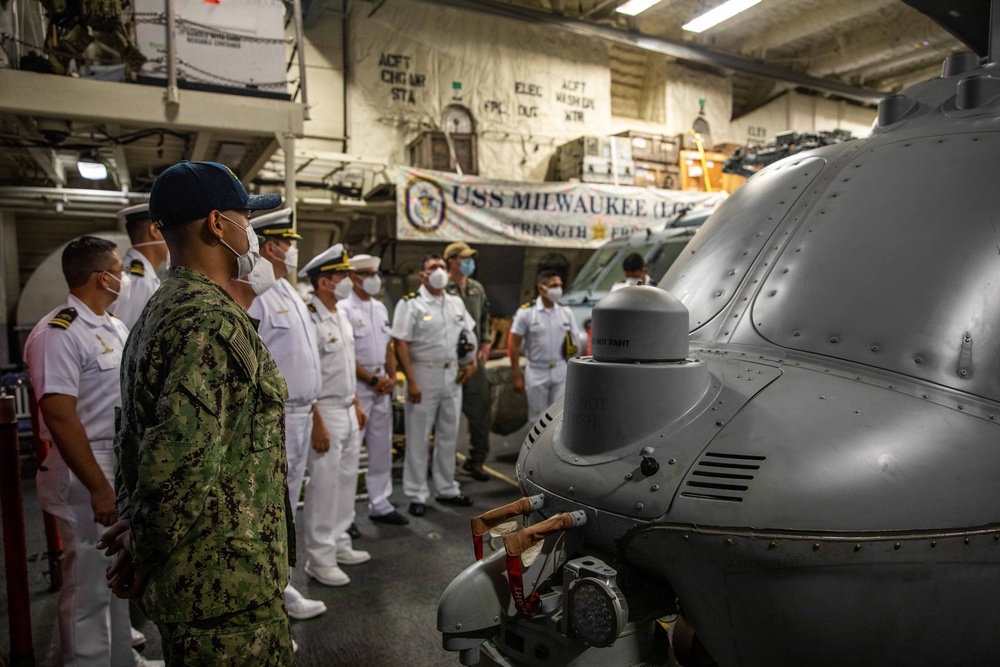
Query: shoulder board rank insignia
[[311, 307], [137, 268], [63, 318], [529, 304], [407, 297]]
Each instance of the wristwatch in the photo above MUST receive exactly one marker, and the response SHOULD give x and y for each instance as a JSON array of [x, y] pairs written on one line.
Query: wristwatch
[[373, 381]]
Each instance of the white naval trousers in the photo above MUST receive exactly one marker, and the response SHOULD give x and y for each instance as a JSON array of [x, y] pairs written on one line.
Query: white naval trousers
[[94, 625], [439, 410], [333, 484], [298, 430], [544, 383], [377, 435]]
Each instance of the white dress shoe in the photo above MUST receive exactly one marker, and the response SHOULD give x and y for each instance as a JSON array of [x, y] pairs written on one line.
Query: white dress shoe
[[349, 556], [330, 576], [303, 609], [138, 639]]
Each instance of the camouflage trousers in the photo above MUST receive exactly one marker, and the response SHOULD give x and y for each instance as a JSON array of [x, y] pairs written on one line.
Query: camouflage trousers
[[476, 406], [258, 636]]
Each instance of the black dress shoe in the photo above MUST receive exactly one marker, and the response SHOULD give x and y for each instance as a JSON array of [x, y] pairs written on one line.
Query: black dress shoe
[[460, 500], [418, 509], [475, 469], [393, 518], [353, 531]]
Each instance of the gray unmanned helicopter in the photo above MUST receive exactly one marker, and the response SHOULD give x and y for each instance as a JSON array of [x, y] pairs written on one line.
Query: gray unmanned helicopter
[[794, 442]]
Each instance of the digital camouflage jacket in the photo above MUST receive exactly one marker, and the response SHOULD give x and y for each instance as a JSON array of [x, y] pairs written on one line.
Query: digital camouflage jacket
[[201, 468]]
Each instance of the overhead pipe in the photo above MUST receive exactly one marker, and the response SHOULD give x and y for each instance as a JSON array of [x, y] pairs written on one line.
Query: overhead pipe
[[299, 39], [73, 192], [93, 203], [669, 47], [173, 95], [91, 214]]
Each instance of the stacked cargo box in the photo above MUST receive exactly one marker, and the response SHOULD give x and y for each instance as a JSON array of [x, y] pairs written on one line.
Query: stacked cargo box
[[655, 158], [595, 160]]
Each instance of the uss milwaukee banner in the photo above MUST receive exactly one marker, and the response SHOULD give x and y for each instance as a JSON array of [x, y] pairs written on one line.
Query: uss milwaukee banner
[[441, 206]]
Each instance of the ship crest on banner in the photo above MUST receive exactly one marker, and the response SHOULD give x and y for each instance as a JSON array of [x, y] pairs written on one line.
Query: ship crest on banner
[[425, 204], [440, 206]]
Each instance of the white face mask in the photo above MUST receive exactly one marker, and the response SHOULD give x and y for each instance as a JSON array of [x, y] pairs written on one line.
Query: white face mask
[[124, 287], [291, 259], [438, 278], [634, 281], [261, 278], [343, 288], [372, 284], [554, 294], [246, 261], [140, 245]]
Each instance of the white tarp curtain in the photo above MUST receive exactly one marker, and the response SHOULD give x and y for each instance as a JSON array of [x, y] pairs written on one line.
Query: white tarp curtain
[[801, 113], [440, 206], [528, 88], [686, 88]]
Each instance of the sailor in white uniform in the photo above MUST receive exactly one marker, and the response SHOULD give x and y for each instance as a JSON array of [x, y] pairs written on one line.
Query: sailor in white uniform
[[337, 422], [73, 355], [636, 272], [551, 334], [427, 327], [147, 253], [376, 374], [288, 332]]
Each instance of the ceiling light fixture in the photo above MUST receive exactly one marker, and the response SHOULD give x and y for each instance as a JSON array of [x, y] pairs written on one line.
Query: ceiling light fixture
[[633, 7], [91, 169], [723, 12]]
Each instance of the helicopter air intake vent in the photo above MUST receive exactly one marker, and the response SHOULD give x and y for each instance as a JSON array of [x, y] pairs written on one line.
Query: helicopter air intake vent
[[537, 429], [724, 477]]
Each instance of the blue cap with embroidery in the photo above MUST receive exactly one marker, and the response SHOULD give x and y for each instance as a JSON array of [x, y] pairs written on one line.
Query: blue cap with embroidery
[[191, 190]]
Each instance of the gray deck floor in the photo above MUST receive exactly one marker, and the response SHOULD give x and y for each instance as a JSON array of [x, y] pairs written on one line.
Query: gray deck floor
[[386, 616]]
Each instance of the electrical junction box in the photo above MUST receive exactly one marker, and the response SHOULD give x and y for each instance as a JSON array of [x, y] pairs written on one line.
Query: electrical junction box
[[235, 46]]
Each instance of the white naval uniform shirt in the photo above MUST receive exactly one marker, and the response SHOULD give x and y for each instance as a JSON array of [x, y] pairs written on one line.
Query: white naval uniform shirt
[[290, 336], [544, 330], [144, 283], [431, 325], [336, 353], [372, 330], [81, 360]]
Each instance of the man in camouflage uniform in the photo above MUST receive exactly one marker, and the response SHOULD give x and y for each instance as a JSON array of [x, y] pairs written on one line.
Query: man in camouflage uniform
[[476, 392], [206, 536]]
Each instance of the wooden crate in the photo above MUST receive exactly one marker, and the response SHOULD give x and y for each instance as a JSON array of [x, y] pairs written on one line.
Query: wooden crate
[[691, 173], [430, 151], [651, 148], [657, 175]]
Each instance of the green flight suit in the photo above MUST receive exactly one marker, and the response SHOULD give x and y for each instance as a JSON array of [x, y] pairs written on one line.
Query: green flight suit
[[476, 391], [201, 473]]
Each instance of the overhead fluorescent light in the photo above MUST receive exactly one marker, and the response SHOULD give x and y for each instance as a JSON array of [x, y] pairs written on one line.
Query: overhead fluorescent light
[[91, 169], [633, 7], [723, 12]]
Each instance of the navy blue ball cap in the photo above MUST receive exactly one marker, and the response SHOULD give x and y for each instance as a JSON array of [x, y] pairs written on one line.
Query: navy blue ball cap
[[191, 190]]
